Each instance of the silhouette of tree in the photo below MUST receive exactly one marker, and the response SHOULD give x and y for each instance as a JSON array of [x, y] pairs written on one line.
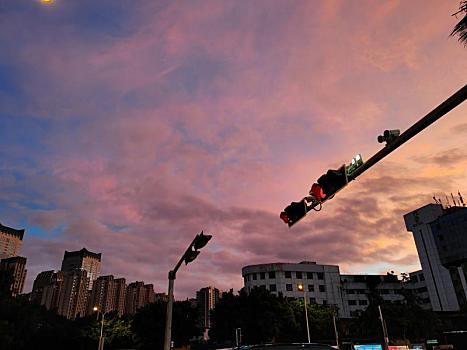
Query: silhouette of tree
[[461, 28]]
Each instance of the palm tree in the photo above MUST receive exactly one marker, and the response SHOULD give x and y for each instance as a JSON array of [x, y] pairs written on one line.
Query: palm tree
[[461, 27]]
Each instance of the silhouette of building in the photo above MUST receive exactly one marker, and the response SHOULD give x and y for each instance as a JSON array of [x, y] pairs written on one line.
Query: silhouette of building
[[120, 295], [11, 241], [441, 241], [102, 295], [73, 293], [206, 300], [135, 297], [138, 295], [83, 260], [149, 295], [14, 272], [48, 293], [108, 294]]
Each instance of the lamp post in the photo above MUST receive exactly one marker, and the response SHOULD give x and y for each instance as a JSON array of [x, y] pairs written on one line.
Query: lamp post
[[301, 288], [190, 255], [385, 330], [101, 337]]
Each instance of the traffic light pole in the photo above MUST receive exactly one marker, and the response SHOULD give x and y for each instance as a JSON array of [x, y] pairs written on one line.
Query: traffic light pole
[[172, 276], [451, 103]]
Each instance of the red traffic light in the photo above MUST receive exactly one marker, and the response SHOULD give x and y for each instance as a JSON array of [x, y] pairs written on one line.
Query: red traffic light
[[317, 192], [284, 217]]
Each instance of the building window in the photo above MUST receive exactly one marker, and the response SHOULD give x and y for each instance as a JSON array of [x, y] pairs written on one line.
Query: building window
[[350, 291], [288, 274], [309, 275], [414, 279], [322, 288], [288, 287], [360, 291], [298, 275], [352, 302], [312, 300], [363, 302], [262, 275], [325, 302], [254, 276], [422, 277], [320, 275], [272, 275], [311, 288], [272, 287]]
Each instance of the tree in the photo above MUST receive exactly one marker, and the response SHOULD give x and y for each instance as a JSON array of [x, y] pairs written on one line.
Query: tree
[[149, 324], [461, 27]]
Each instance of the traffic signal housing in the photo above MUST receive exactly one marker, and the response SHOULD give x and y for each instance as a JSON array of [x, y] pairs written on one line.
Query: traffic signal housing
[[333, 181], [294, 212], [192, 252]]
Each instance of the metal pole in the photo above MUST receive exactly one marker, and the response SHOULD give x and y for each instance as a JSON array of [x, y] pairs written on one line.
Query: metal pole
[[385, 331], [237, 336], [306, 315], [168, 319], [101, 339], [446, 106], [335, 329]]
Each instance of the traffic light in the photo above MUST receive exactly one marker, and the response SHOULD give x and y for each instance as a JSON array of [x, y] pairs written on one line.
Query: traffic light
[[190, 256], [201, 240], [294, 212], [192, 252], [333, 181]]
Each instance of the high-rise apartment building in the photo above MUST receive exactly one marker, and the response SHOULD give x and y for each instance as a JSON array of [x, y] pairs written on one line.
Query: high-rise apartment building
[[102, 295], [10, 241], [149, 295], [49, 292], [206, 300], [440, 238], [135, 296], [15, 269], [72, 298], [120, 295], [108, 294], [138, 295], [43, 279], [83, 260]]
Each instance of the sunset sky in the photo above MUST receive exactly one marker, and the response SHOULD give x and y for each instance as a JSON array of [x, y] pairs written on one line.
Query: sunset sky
[[127, 127]]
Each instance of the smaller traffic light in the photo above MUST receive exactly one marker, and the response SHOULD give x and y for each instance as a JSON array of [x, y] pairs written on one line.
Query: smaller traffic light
[[201, 240], [333, 181], [294, 212], [190, 256], [192, 252]]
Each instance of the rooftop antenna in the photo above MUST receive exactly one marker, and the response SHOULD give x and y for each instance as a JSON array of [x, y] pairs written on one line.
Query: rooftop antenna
[[455, 204], [447, 200], [436, 201], [461, 199], [441, 202]]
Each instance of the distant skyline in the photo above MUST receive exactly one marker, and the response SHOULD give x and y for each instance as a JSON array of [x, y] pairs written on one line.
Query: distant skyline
[[128, 127]]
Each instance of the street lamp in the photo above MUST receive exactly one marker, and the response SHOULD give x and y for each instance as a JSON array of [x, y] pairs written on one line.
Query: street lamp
[[101, 337], [189, 256], [301, 288]]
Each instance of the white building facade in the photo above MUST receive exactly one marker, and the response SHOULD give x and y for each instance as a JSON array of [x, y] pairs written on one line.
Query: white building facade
[[437, 277]]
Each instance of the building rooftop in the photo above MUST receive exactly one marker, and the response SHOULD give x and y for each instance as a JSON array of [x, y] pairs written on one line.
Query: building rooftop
[[12, 231], [82, 253]]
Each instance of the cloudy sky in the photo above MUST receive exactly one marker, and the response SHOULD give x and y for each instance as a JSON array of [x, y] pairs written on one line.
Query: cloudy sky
[[127, 127]]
